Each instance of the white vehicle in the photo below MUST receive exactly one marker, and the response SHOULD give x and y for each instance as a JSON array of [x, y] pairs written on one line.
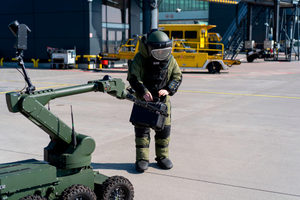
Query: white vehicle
[[63, 58]]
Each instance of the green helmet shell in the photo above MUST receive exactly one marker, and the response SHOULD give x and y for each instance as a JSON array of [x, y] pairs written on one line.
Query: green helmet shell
[[158, 36], [159, 39], [159, 45]]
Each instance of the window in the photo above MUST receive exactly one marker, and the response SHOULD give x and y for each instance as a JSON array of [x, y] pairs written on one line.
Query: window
[[184, 5], [191, 34], [115, 19], [177, 34], [103, 13], [117, 10], [104, 46]]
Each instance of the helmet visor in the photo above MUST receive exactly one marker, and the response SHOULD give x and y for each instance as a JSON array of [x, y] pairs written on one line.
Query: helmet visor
[[161, 54]]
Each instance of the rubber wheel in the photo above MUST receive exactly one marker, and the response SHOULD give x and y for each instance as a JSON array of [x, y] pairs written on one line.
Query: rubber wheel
[[250, 58], [78, 192], [117, 187], [33, 197], [214, 67]]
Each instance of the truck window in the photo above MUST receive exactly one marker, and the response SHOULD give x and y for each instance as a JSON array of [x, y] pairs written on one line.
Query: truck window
[[191, 34], [167, 32], [177, 34]]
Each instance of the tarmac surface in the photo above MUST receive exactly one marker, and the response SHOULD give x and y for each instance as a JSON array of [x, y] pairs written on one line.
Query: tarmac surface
[[235, 135]]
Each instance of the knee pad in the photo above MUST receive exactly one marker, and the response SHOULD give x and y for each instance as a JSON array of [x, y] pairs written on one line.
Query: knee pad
[[163, 134], [141, 131]]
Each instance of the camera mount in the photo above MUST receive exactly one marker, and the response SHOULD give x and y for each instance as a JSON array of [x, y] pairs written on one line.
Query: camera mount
[[20, 31]]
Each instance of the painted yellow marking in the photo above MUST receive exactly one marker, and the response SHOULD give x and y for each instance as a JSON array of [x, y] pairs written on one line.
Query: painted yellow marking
[[49, 83]]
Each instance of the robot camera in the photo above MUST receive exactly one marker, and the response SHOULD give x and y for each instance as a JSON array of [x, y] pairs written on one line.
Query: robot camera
[[20, 31]]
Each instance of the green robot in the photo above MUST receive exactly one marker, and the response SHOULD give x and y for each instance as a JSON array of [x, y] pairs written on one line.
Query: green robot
[[66, 172], [155, 76]]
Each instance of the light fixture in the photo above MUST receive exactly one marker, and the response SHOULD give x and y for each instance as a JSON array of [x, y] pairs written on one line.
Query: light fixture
[[224, 1], [178, 10]]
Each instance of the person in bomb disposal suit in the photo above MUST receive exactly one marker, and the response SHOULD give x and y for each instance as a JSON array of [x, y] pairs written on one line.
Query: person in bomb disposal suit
[[154, 74]]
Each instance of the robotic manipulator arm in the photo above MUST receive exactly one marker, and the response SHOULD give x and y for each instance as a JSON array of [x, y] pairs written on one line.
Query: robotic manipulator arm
[[67, 149], [32, 105]]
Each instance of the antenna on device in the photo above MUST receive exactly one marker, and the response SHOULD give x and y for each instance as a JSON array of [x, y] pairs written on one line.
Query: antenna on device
[[74, 140]]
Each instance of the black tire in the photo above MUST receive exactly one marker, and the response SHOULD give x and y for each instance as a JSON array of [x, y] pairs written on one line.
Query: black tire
[[214, 67], [117, 187], [78, 192], [250, 58], [33, 197]]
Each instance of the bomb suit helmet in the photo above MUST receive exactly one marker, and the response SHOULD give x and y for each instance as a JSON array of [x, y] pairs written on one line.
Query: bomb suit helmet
[[159, 45]]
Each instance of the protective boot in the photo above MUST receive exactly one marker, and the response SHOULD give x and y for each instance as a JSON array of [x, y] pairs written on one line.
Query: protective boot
[[162, 140], [142, 142], [164, 163], [141, 165]]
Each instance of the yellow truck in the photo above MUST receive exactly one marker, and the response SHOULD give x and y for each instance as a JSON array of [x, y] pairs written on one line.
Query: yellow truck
[[193, 47]]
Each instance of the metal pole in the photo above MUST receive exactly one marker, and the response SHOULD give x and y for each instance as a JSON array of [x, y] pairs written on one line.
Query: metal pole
[[146, 16], [90, 24], [292, 33], [249, 22], [267, 24], [154, 14], [276, 21], [297, 29]]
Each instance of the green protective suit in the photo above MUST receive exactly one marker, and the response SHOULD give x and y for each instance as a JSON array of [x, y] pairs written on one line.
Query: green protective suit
[[136, 73]]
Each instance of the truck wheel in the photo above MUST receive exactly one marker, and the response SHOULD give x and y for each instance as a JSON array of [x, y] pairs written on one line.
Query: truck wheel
[[78, 192], [33, 197], [250, 58], [214, 67], [117, 187]]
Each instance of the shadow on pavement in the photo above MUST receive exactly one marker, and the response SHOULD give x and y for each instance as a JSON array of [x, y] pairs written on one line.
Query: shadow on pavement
[[129, 167]]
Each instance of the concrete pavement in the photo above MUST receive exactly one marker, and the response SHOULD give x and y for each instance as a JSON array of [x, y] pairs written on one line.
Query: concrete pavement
[[235, 135]]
